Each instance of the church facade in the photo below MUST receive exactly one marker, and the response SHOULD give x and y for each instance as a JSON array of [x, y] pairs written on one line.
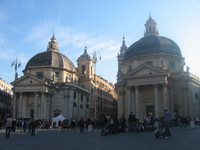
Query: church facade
[[151, 78], [52, 86]]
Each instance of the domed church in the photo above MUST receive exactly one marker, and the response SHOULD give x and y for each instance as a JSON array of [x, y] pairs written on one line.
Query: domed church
[[52, 86], [151, 78]]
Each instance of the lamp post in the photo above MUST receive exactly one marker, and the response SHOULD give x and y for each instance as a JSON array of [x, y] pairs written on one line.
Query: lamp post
[[16, 63], [95, 59]]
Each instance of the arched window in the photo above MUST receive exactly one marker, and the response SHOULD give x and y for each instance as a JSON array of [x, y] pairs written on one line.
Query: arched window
[[83, 69], [196, 95], [87, 106], [74, 104], [81, 106], [91, 70]]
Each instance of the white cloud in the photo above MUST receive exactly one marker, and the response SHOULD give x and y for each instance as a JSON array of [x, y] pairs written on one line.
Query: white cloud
[[10, 55], [70, 37]]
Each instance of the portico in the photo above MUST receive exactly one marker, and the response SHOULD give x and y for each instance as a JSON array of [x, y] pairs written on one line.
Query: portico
[[156, 97], [32, 104]]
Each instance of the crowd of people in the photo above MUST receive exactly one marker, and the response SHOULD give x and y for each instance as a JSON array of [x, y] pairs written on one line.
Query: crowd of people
[[111, 123]]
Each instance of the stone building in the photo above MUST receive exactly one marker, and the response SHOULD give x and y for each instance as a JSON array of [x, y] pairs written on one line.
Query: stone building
[[103, 94], [52, 85], [5, 99], [151, 78]]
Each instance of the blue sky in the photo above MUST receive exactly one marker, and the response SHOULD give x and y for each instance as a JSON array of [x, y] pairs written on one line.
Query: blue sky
[[26, 27]]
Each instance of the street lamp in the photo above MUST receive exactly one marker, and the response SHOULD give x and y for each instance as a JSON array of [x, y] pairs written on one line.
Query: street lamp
[[95, 59], [16, 63]]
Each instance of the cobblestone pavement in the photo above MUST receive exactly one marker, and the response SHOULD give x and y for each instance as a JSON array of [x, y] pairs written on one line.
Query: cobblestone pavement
[[183, 139]]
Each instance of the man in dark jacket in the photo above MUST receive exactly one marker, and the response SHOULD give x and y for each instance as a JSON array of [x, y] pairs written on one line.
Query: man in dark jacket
[[132, 122], [81, 125]]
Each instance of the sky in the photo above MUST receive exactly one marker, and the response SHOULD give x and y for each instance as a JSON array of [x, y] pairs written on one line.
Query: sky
[[26, 27]]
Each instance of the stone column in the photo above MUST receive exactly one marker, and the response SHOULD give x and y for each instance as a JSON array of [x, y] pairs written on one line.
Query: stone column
[[66, 97], [70, 104], [20, 106], [35, 105], [49, 106], [23, 106], [133, 105], [165, 97], [121, 102], [128, 100], [120, 105], [156, 101], [43, 107], [171, 101], [137, 102], [14, 106], [185, 101]]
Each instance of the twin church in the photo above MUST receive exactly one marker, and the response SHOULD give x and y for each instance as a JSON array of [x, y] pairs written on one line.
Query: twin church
[[150, 78]]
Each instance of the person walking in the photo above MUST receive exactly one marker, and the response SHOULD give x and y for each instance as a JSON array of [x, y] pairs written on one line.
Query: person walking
[[132, 122], [33, 126], [167, 119], [59, 126], [81, 125], [8, 126], [14, 125], [73, 125]]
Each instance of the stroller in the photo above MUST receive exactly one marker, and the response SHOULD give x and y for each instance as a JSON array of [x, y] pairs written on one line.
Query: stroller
[[159, 130], [104, 131]]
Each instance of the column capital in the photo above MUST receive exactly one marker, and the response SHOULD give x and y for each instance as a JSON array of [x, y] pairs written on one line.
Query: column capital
[[128, 87], [36, 93], [136, 86], [164, 84], [155, 85], [122, 93]]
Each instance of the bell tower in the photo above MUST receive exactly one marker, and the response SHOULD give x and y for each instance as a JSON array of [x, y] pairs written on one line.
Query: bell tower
[[86, 70], [120, 59]]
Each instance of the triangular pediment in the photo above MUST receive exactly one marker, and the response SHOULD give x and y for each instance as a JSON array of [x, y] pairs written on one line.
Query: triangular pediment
[[145, 70], [28, 79]]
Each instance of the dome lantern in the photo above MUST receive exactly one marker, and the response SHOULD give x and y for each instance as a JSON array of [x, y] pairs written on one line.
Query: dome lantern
[[51, 58], [53, 45], [151, 27], [152, 44]]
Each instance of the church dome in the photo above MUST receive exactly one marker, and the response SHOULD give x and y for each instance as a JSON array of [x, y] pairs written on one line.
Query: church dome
[[51, 58], [152, 44]]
